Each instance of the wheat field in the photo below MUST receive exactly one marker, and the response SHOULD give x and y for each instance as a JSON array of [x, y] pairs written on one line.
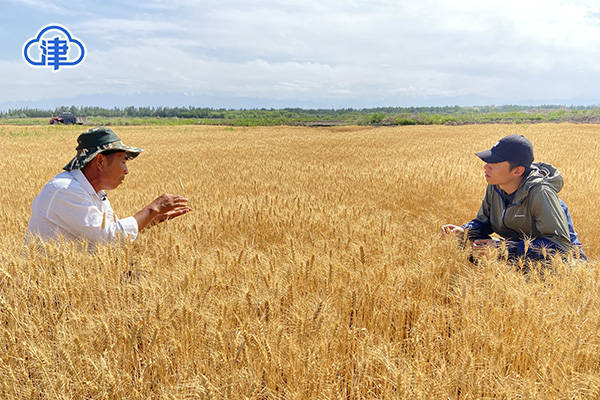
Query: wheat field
[[310, 268]]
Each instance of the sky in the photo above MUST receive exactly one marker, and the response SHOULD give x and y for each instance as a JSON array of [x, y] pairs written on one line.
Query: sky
[[309, 53]]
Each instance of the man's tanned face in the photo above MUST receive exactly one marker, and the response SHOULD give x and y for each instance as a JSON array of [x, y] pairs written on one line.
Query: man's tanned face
[[114, 169], [501, 173]]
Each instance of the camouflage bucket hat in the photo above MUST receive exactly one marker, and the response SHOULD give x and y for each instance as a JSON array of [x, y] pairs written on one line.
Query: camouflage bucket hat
[[95, 141]]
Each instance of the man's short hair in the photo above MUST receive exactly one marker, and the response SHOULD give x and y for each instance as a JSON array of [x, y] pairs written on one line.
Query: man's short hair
[[513, 165]]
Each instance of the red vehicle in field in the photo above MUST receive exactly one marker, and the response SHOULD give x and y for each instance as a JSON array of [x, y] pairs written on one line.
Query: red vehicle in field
[[65, 118]]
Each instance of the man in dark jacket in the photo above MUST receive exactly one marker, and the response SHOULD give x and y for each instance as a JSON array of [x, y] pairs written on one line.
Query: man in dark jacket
[[521, 205]]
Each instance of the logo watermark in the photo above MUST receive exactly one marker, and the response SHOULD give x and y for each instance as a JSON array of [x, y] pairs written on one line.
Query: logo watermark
[[54, 47]]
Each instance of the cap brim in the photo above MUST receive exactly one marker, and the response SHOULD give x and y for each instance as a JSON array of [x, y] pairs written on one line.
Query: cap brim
[[132, 152], [80, 160], [488, 157]]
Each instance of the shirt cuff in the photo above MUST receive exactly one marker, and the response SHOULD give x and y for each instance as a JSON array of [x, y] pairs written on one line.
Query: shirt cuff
[[130, 227]]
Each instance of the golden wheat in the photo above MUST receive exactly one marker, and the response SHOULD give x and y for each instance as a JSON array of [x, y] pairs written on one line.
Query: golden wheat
[[311, 267]]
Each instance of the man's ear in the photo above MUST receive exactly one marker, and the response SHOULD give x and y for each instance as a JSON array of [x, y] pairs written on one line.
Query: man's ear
[[100, 161], [519, 171]]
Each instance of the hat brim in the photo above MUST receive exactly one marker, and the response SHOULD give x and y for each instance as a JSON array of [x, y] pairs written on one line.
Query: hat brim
[[489, 157], [86, 155]]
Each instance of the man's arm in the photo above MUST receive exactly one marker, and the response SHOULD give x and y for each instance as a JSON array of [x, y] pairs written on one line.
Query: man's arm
[[76, 213], [550, 222]]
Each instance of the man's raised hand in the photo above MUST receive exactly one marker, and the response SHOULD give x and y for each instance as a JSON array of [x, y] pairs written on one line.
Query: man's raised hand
[[164, 207], [168, 202], [455, 230]]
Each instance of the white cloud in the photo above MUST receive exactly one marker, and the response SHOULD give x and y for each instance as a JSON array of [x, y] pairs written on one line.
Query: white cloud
[[124, 28], [508, 51], [39, 4]]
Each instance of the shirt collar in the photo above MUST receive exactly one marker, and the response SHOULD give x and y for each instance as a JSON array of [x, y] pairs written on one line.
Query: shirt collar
[[80, 177]]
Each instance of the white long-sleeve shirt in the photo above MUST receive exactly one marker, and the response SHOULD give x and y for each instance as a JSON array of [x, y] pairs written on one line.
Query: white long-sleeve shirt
[[68, 206]]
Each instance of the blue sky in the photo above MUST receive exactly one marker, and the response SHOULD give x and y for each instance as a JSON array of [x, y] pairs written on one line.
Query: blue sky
[[326, 53]]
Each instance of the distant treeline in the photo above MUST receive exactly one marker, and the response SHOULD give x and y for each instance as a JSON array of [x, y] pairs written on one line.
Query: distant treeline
[[299, 116]]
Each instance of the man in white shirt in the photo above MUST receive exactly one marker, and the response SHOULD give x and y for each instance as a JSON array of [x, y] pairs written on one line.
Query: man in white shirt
[[73, 205]]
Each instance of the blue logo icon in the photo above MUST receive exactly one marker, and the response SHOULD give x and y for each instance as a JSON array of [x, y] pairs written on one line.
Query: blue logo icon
[[54, 47]]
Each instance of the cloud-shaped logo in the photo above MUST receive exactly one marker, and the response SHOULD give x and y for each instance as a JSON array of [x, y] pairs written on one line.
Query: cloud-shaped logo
[[55, 47]]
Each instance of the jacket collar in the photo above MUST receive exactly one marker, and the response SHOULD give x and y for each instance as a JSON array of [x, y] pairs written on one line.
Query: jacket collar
[[539, 174], [86, 185]]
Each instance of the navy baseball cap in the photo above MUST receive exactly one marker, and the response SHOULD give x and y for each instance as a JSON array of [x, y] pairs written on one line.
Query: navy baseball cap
[[515, 149]]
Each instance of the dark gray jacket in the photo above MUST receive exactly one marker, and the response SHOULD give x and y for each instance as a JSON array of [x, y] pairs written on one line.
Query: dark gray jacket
[[534, 212]]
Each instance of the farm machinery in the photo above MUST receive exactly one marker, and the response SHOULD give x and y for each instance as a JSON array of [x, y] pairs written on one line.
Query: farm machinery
[[65, 118]]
